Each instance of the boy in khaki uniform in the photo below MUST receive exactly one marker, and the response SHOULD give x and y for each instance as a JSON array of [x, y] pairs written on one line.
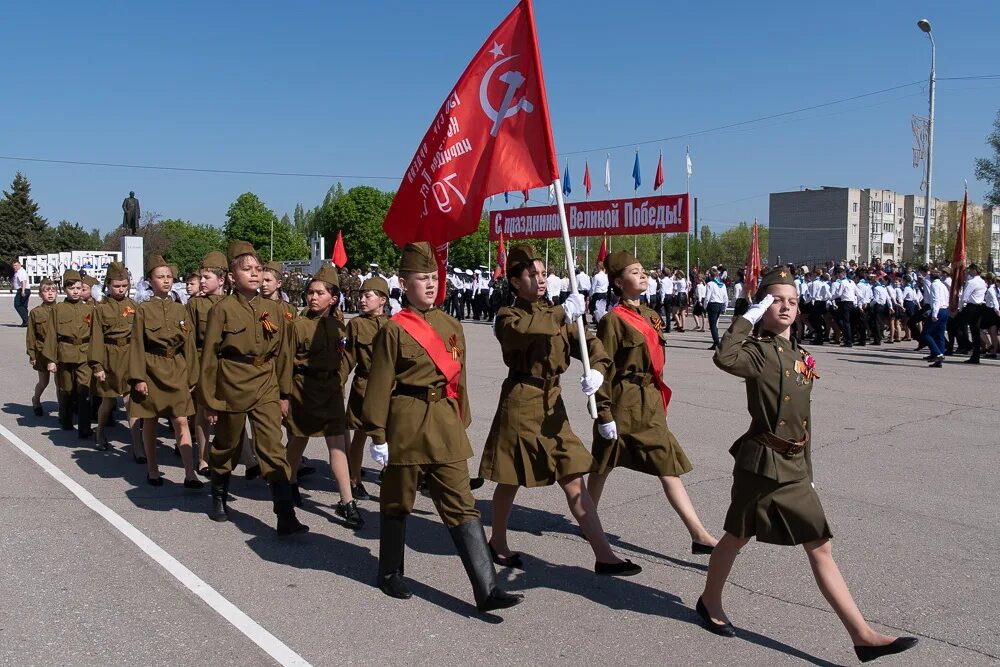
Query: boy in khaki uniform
[[245, 373], [66, 345], [38, 323], [270, 288]]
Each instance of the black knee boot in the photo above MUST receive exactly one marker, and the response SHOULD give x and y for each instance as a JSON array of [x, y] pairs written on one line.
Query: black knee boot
[[65, 410], [220, 490], [84, 414], [470, 540], [284, 508], [391, 550]]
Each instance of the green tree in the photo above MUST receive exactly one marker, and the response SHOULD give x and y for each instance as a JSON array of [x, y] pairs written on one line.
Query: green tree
[[248, 219], [359, 214], [22, 230], [189, 243], [470, 251], [71, 236], [151, 231], [988, 169]]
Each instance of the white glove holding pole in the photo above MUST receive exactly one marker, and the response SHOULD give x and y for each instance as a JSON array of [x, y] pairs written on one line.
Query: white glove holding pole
[[574, 307], [756, 311], [608, 431], [591, 382], [380, 453]]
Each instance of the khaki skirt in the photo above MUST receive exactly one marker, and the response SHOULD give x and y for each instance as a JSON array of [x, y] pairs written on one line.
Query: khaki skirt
[[786, 514], [116, 372], [169, 395]]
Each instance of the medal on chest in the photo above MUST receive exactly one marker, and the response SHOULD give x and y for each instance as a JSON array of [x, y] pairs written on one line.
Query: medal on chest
[[266, 323], [456, 352]]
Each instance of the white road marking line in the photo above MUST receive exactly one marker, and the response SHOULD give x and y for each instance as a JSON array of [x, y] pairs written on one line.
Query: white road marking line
[[271, 645]]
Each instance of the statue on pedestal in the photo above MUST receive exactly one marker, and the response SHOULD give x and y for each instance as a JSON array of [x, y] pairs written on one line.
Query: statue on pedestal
[[130, 215]]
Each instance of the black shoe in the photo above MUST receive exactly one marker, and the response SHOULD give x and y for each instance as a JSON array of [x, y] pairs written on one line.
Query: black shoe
[[900, 644], [513, 560], [476, 483], [699, 549], [284, 509], [154, 481], [711, 347], [846, 345], [305, 471], [391, 553], [930, 357], [394, 585], [938, 362], [220, 489], [37, 409], [205, 472], [139, 459], [358, 491], [349, 512], [971, 360], [499, 599], [194, 483], [625, 569], [470, 542], [252, 472], [721, 629]]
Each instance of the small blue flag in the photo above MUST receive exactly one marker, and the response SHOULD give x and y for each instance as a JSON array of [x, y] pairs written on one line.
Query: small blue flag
[[505, 199], [566, 187], [636, 175]]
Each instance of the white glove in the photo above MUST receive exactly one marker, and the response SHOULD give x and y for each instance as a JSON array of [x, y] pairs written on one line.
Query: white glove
[[380, 453], [574, 307], [608, 431], [591, 382], [756, 311]]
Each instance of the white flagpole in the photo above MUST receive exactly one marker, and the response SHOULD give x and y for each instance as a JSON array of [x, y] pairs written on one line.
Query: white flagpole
[[580, 330], [687, 171]]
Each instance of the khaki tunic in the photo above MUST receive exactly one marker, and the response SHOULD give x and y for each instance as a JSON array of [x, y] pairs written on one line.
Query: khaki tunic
[[67, 342], [772, 495], [198, 308], [39, 321], [631, 399], [110, 339], [530, 441], [287, 310], [361, 331], [162, 354], [319, 372]]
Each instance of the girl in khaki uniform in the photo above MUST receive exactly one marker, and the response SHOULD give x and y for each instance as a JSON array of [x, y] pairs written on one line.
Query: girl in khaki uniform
[[361, 332], [631, 430], [270, 288], [773, 497], [530, 442], [110, 339], [316, 403], [38, 324], [66, 344], [163, 370]]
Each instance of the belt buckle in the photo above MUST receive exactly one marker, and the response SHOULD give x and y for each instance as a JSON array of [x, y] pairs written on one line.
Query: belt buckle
[[433, 394], [259, 361], [794, 449], [121, 342], [170, 354]]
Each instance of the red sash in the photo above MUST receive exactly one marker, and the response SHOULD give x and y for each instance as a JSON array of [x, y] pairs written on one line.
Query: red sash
[[429, 339], [653, 346]]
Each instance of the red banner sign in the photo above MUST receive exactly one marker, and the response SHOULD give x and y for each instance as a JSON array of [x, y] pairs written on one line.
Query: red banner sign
[[661, 214]]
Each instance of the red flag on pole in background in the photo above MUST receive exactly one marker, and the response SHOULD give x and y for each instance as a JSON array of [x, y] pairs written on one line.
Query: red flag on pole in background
[[959, 258], [658, 179], [602, 254], [491, 135], [501, 259], [525, 193], [586, 177], [751, 270], [339, 257]]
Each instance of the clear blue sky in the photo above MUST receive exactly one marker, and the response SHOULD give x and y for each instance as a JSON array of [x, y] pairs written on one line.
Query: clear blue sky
[[350, 88]]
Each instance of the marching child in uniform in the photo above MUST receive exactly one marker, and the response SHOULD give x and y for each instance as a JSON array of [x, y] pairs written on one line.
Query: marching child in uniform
[[773, 497], [163, 370], [213, 283], [38, 324], [66, 345], [631, 430], [270, 288], [361, 332], [316, 403], [416, 412], [110, 339], [245, 373], [87, 290]]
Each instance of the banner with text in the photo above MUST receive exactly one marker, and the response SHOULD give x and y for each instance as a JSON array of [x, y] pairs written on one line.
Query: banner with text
[[660, 214]]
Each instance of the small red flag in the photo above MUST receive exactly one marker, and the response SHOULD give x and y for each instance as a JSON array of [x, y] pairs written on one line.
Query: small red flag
[[602, 254], [751, 271], [525, 193], [339, 257], [586, 177], [958, 259], [501, 259], [658, 179]]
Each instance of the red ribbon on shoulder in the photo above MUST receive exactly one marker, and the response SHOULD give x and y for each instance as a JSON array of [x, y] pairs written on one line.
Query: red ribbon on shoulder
[[653, 346], [434, 346]]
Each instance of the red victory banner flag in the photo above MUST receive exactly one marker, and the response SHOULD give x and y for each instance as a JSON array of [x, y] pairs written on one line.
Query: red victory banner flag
[[491, 135], [959, 258], [586, 177], [602, 254], [339, 257], [501, 260], [658, 179], [752, 269]]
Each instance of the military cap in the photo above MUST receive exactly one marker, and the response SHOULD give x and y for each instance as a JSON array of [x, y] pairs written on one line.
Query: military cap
[[90, 280], [154, 261], [274, 266], [944, 271], [376, 284], [116, 271], [327, 273], [70, 276], [418, 258], [214, 260], [779, 276], [521, 254], [238, 249], [618, 261]]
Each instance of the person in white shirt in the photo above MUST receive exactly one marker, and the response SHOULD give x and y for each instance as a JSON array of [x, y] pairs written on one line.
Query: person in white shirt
[[666, 288], [652, 282], [680, 300], [698, 306], [972, 306], [991, 316], [22, 292], [395, 292], [845, 295], [552, 286], [741, 301], [716, 302], [563, 286], [937, 322], [911, 309], [879, 310], [819, 294], [599, 293], [583, 286]]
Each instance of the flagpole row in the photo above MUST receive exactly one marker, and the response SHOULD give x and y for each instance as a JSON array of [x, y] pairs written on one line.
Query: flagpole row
[[580, 329]]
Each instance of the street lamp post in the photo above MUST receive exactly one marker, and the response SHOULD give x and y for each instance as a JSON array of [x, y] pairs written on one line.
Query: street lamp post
[[925, 26]]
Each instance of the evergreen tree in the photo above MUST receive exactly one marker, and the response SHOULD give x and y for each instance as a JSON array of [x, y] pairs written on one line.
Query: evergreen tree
[[22, 230], [988, 169]]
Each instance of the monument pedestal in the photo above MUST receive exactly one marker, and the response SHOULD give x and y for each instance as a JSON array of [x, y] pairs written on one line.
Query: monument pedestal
[[133, 258]]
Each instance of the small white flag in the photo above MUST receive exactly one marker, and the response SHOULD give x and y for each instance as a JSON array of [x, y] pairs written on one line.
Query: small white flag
[[552, 193], [687, 157], [607, 173]]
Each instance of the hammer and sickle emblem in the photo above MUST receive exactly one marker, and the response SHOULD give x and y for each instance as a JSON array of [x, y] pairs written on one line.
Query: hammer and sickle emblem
[[508, 107]]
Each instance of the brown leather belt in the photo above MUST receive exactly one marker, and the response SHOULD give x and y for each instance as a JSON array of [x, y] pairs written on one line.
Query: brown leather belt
[[250, 359], [165, 352], [786, 448], [541, 383], [428, 394], [314, 373], [73, 340], [641, 379], [119, 342]]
